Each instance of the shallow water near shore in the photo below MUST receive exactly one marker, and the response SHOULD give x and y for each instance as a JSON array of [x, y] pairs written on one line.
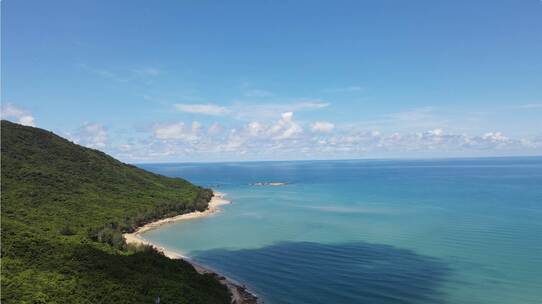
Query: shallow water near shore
[[371, 231]]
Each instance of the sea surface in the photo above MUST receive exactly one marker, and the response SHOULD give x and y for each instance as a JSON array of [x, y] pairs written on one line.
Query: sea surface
[[371, 231]]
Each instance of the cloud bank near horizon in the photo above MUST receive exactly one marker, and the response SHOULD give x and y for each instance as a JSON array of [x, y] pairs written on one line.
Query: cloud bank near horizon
[[284, 136]]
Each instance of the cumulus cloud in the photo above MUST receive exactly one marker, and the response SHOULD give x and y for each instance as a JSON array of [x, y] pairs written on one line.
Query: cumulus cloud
[[285, 138], [206, 109], [90, 135], [177, 131], [493, 140], [322, 126], [286, 127], [11, 111], [214, 129], [254, 128], [436, 142], [171, 131], [495, 137], [27, 120]]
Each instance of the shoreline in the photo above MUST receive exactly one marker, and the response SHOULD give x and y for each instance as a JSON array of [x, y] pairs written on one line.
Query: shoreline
[[240, 294]]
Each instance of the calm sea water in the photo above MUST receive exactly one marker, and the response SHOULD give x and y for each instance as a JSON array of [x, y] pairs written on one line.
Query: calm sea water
[[371, 231]]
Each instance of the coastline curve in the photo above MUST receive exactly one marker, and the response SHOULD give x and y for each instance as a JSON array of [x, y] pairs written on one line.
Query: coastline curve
[[240, 294]]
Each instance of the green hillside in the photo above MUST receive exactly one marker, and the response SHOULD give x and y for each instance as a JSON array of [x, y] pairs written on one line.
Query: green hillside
[[64, 208]]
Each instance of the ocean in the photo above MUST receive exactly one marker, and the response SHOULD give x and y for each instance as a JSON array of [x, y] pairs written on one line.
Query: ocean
[[371, 231]]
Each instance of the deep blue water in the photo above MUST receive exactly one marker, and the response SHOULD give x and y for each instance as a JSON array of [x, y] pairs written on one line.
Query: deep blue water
[[371, 231]]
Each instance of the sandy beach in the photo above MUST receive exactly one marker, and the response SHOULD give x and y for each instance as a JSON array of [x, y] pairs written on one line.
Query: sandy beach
[[240, 295]]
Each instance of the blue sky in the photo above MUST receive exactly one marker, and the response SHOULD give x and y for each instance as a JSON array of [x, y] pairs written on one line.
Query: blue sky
[[153, 81]]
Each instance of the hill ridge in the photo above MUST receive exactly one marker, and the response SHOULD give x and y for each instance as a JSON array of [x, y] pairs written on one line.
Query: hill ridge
[[64, 209]]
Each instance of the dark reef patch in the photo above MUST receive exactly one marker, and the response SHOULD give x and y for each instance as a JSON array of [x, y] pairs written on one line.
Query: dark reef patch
[[353, 272]]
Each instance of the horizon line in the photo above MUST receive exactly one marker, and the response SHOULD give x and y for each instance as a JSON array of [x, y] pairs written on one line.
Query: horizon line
[[338, 159]]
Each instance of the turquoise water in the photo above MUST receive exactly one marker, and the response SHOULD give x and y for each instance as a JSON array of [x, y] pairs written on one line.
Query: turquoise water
[[371, 231]]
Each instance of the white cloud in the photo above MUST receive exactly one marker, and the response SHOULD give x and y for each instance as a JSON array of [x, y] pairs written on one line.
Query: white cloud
[[214, 129], [427, 118], [206, 109], [91, 135], [436, 132], [196, 126], [171, 131], [286, 127], [268, 111], [254, 128], [285, 138], [495, 137], [322, 126], [10, 111], [177, 131], [27, 120], [309, 105], [251, 111], [494, 141]]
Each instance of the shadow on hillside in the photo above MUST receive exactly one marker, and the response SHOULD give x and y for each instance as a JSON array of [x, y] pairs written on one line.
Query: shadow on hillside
[[355, 272]]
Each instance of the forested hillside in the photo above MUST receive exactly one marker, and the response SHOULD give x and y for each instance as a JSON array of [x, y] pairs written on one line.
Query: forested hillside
[[64, 209]]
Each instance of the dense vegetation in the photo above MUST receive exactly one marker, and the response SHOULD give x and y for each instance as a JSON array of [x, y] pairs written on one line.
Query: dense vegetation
[[64, 208]]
